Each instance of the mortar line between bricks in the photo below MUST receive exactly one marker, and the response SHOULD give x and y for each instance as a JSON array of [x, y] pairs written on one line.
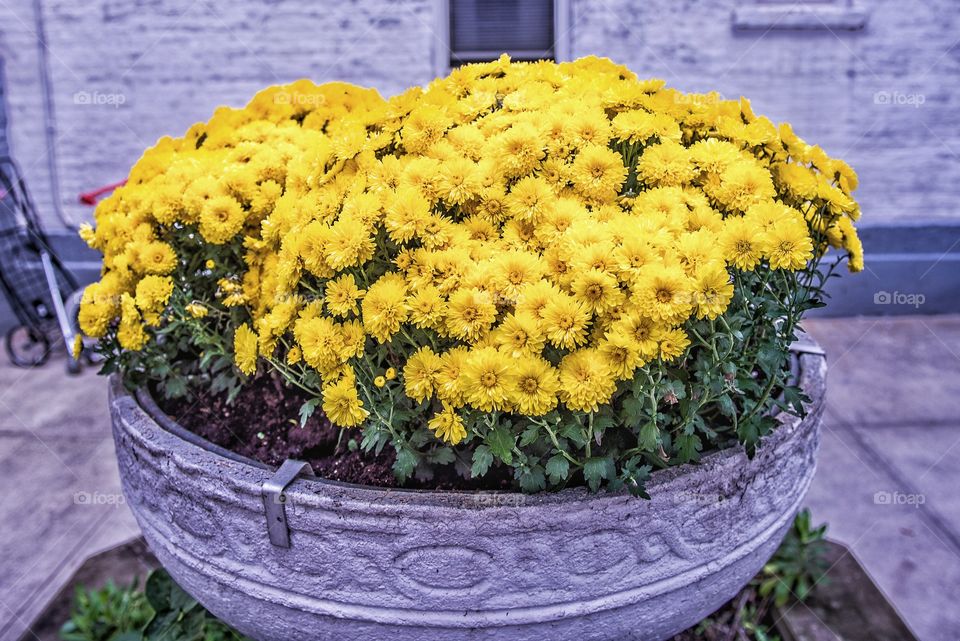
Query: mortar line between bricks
[[927, 513]]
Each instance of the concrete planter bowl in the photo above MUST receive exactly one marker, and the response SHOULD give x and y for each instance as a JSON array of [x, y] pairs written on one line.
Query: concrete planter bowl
[[369, 564]]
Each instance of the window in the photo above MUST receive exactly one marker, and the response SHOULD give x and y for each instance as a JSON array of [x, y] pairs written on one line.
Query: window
[[846, 15], [481, 30]]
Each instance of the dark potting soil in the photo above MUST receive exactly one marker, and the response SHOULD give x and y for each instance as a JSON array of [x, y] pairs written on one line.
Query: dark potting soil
[[263, 423]]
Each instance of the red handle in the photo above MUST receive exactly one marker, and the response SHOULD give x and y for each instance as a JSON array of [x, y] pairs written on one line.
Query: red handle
[[90, 197]]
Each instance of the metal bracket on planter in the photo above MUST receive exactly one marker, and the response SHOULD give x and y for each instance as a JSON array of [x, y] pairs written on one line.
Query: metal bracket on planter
[[807, 347], [275, 501]]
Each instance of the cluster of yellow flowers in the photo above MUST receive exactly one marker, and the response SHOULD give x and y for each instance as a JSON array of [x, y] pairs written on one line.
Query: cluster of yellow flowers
[[520, 235]]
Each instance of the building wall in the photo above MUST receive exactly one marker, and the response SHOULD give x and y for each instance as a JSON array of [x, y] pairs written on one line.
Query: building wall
[[123, 73]]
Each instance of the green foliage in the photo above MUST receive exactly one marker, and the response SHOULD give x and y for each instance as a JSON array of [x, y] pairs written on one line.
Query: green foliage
[[796, 567], [162, 611], [110, 613], [798, 564]]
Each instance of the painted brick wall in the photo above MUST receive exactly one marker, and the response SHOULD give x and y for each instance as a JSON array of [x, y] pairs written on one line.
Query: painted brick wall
[[125, 72]]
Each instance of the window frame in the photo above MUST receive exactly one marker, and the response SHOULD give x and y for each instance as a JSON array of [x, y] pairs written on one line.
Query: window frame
[[442, 51]]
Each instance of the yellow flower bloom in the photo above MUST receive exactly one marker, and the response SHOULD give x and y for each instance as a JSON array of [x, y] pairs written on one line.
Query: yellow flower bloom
[[341, 295], [599, 291], [535, 386], [420, 374], [622, 355], [197, 310], [664, 293], [586, 381], [384, 307], [379, 381], [470, 313], [342, 405], [245, 349], [788, 246], [221, 219], [565, 321], [598, 173], [713, 291], [153, 292], [666, 164], [130, 333], [156, 258], [742, 243], [98, 307], [520, 334], [486, 379], [673, 344], [448, 426], [427, 307]]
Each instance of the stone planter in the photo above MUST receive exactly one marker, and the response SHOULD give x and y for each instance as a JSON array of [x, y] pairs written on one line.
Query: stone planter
[[372, 564]]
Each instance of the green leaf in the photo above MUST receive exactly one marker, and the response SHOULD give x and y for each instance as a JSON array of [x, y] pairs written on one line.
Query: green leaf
[[482, 460], [688, 447], [529, 436], [307, 410], [558, 469], [649, 437], [532, 479], [441, 456], [501, 443], [157, 590], [634, 410], [574, 432], [596, 469], [405, 464]]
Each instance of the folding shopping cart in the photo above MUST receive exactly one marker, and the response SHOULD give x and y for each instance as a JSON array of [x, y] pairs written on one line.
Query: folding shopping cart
[[36, 284]]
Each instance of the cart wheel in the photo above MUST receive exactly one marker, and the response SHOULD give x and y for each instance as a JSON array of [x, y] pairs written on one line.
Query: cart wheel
[[27, 347]]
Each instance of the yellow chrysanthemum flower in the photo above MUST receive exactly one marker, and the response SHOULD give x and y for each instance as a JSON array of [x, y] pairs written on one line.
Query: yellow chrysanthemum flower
[[487, 379], [245, 349], [535, 386], [341, 296], [420, 374], [342, 405], [586, 381], [221, 219], [448, 426], [565, 321]]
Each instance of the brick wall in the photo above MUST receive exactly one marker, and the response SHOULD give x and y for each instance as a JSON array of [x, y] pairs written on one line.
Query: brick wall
[[123, 73]]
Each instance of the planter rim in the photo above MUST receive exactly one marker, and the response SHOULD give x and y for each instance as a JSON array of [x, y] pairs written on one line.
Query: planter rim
[[810, 368]]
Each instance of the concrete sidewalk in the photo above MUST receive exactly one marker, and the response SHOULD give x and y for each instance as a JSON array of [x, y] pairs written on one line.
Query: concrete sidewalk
[[61, 500], [889, 467], [887, 481]]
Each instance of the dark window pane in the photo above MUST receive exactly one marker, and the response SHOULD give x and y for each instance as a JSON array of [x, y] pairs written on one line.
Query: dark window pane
[[483, 29]]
